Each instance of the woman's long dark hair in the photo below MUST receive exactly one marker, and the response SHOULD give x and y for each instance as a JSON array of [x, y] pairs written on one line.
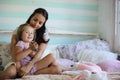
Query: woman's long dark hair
[[40, 31]]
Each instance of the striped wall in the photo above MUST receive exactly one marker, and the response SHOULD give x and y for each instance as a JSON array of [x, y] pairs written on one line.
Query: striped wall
[[69, 15]]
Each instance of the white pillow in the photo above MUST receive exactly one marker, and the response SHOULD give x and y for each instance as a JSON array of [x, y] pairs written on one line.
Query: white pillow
[[95, 56], [68, 51], [51, 48]]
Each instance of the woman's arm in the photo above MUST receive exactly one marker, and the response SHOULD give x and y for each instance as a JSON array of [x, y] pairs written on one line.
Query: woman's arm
[[13, 43], [41, 49]]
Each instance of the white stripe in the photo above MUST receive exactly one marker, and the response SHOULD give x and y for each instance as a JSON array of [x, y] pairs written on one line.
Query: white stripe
[[85, 2], [16, 8], [10, 21], [70, 23], [64, 32], [30, 9], [72, 12], [56, 31]]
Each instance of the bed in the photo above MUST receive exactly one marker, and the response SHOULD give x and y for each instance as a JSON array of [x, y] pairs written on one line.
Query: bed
[[93, 50]]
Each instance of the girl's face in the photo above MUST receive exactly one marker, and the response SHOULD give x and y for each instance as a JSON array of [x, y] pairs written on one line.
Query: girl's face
[[37, 21], [28, 34]]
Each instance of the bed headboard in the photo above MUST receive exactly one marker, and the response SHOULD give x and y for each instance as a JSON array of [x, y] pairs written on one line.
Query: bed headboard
[[57, 36]]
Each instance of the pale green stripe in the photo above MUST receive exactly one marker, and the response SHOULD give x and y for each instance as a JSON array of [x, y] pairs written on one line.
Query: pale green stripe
[[53, 40], [50, 4], [7, 39], [8, 27], [77, 29], [67, 28], [51, 16], [15, 14]]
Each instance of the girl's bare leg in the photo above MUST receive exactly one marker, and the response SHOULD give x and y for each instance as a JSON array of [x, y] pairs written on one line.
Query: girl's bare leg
[[47, 65], [25, 69], [9, 73], [49, 70]]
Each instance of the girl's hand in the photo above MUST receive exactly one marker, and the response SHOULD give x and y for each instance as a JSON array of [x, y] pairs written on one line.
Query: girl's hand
[[32, 54], [34, 46]]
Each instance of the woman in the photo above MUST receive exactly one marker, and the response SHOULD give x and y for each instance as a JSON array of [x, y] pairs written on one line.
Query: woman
[[37, 20]]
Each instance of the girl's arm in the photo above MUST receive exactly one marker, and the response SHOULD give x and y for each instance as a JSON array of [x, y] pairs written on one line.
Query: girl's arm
[[32, 54], [17, 52], [26, 69], [20, 54], [41, 49]]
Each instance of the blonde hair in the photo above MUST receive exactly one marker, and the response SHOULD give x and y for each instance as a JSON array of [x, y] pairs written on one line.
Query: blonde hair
[[20, 31]]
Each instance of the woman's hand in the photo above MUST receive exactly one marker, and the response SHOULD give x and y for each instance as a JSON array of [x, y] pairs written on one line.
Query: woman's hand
[[34, 46]]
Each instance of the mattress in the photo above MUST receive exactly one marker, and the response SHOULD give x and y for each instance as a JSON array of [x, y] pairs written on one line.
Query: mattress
[[110, 76]]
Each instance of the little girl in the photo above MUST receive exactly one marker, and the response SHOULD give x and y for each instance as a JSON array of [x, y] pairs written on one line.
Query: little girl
[[26, 35]]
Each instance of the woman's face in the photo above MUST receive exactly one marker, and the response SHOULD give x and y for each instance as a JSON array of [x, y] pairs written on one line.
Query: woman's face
[[37, 21]]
